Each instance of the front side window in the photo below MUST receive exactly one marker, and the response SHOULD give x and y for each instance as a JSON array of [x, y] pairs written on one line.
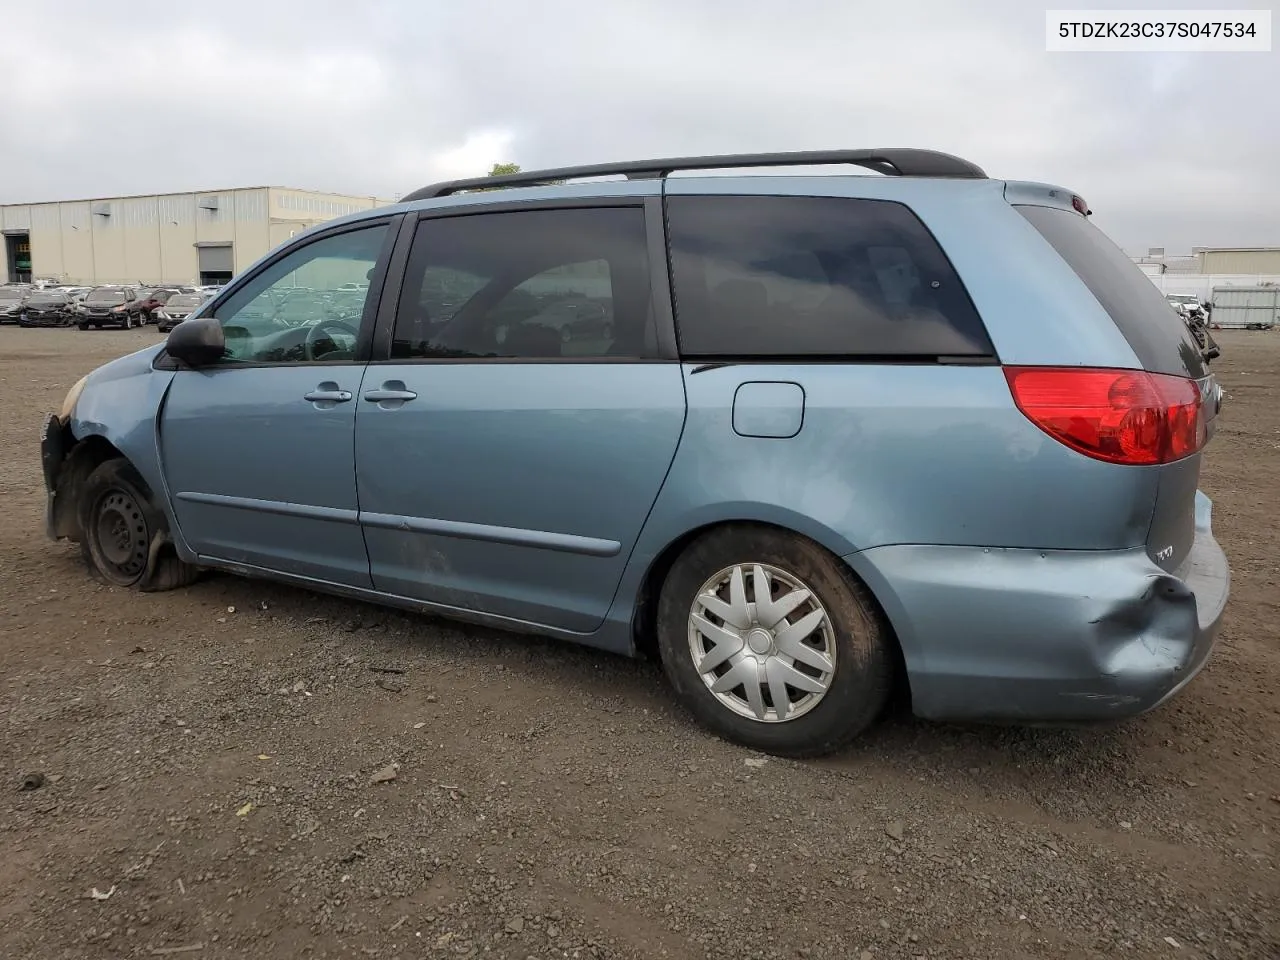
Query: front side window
[[796, 277], [294, 311], [534, 285]]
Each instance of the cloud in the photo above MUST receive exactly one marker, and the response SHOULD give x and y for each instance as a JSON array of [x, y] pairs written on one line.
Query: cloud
[[383, 97]]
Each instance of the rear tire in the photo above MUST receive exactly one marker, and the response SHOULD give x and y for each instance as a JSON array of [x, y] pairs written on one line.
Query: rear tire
[[119, 525], [713, 602]]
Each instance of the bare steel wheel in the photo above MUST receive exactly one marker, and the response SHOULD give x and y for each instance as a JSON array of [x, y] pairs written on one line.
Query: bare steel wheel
[[772, 642], [121, 536], [762, 642]]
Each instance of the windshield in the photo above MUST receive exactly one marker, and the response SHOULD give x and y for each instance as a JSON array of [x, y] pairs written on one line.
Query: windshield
[[186, 300], [1179, 299], [42, 298], [105, 296], [11, 294]]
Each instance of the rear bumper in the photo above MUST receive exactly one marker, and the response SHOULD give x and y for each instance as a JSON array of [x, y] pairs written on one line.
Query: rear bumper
[[1053, 636]]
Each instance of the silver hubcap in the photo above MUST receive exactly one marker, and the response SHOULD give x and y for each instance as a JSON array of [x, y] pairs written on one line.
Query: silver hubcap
[[762, 642]]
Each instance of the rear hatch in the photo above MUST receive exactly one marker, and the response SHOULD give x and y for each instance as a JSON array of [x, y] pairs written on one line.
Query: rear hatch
[[1162, 344]]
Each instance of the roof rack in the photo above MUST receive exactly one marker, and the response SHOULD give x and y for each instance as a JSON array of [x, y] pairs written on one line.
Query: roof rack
[[895, 161]]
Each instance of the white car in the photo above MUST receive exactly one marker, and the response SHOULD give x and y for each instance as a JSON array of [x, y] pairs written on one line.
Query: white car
[[1185, 304]]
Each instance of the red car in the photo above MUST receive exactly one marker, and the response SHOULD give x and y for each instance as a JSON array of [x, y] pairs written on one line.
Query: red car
[[153, 299]]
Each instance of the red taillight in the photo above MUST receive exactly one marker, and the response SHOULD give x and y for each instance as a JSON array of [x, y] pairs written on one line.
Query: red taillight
[[1121, 416]]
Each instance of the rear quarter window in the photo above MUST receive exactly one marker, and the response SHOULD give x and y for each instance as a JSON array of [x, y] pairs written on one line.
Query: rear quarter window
[[798, 277], [1153, 329]]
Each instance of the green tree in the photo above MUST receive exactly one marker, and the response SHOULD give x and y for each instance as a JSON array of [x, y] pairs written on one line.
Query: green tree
[[504, 169]]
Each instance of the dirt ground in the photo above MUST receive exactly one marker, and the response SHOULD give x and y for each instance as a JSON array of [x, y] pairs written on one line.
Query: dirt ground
[[209, 756]]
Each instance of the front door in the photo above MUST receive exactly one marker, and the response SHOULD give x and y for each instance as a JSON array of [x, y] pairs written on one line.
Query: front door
[[257, 449], [510, 448]]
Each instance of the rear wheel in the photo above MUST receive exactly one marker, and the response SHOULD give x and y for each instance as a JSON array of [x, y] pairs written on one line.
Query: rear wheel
[[772, 643], [119, 524]]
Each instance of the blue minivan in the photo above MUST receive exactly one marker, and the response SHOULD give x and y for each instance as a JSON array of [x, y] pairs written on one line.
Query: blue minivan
[[802, 437]]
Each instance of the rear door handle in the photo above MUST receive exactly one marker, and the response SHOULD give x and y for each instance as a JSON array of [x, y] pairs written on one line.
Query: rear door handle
[[392, 394]]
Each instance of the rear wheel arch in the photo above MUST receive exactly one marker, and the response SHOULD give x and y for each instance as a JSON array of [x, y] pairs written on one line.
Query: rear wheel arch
[[849, 697], [645, 622]]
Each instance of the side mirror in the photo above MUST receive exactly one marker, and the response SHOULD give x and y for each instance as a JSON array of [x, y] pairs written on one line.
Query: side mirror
[[198, 342]]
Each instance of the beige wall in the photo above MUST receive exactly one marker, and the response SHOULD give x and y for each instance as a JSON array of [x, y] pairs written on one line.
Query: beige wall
[[1240, 261], [152, 239], [77, 243], [289, 204]]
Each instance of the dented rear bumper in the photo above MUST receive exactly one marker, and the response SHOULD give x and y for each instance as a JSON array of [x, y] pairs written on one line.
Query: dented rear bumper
[[1042, 635]]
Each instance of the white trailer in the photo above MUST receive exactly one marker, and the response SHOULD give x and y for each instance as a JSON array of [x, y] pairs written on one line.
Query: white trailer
[[1246, 308]]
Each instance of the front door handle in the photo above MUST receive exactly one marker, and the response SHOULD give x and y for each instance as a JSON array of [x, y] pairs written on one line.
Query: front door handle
[[390, 395], [327, 394]]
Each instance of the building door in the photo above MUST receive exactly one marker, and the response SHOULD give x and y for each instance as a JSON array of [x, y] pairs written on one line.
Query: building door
[[215, 263], [18, 257]]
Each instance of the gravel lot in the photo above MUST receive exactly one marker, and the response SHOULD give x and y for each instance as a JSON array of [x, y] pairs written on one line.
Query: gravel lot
[[209, 757]]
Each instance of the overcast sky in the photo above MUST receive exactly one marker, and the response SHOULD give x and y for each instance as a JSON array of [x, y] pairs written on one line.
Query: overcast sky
[[381, 96]]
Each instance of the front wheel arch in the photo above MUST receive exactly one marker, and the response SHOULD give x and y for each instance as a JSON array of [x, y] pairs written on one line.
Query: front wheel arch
[[161, 567], [84, 457]]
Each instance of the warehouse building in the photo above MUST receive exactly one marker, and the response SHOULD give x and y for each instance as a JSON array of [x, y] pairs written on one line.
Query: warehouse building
[[1242, 260], [1211, 268], [194, 238]]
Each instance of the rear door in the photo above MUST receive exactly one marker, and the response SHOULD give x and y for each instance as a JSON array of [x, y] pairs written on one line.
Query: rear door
[[511, 442], [1161, 342]]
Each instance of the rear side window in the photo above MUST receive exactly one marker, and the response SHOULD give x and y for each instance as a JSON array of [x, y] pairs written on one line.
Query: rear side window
[[528, 285], [1159, 338], [815, 277]]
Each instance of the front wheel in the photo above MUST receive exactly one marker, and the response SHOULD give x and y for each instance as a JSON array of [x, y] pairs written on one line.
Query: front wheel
[[772, 643], [119, 526]]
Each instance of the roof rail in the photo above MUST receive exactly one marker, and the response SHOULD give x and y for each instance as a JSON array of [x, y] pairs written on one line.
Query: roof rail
[[895, 161]]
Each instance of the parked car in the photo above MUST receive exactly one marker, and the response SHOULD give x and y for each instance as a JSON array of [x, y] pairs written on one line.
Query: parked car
[[110, 306], [152, 299], [1195, 314], [47, 308], [836, 444], [1185, 304], [178, 308], [12, 297]]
